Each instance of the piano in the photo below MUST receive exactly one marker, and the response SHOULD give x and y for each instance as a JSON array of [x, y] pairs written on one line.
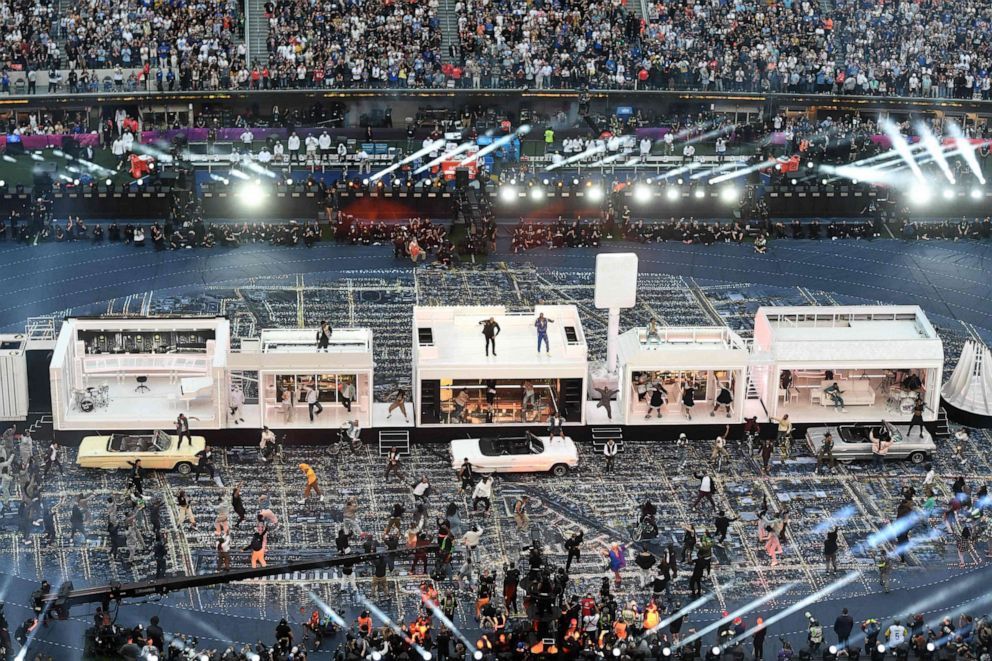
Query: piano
[[192, 387]]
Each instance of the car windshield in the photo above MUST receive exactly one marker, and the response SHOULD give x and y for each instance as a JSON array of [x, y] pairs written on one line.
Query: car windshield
[[162, 441], [536, 446]]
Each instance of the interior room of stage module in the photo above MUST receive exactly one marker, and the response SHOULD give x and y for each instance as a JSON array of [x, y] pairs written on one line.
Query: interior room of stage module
[[505, 401], [893, 390], [673, 385], [328, 386], [179, 341]]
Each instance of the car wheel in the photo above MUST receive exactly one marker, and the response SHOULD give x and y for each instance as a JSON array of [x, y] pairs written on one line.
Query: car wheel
[[184, 468], [559, 470], [918, 457]]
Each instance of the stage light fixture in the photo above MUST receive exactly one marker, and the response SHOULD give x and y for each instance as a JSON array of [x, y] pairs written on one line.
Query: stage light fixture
[[575, 182], [289, 181], [948, 193], [252, 194], [715, 650], [699, 193], [75, 182], [794, 181], [672, 193], [666, 651], [642, 193], [546, 181], [508, 193], [832, 649], [679, 181], [823, 182], [854, 181], [537, 193], [976, 193], [880, 648], [921, 195], [425, 655], [729, 194], [931, 647], [109, 182], [477, 655], [616, 651], [595, 194], [365, 182]]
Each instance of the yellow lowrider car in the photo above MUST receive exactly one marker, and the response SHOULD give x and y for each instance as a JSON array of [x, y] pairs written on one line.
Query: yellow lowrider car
[[156, 450]]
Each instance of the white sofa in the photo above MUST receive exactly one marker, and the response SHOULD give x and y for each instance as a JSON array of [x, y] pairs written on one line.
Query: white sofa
[[854, 393]]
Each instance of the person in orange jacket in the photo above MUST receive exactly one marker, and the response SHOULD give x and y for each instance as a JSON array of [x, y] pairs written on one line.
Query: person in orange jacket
[[311, 483]]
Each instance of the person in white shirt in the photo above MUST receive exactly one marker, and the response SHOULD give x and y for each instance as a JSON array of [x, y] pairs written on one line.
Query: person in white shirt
[[353, 431], [669, 143], [311, 143], [364, 161], [688, 153], [278, 152], [294, 147], [117, 149], [235, 401], [421, 491], [645, 148], [128, 141], [247, 138], [721, 149], [313, 402], [471, 540], [483, 493], [264, 156], [324, 142], [610, 452]]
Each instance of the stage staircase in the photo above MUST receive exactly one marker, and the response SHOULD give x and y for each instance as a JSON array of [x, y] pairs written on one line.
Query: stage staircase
[[398, 440], [941, 429], [256, 31], [600, 435], [448, 24]]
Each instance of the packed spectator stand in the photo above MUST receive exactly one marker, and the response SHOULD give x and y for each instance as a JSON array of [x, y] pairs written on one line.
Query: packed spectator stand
[[927, 49], [370, 43]]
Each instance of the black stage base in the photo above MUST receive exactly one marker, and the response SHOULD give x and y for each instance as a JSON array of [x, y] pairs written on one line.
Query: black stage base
[[966, 418], [248, 436]]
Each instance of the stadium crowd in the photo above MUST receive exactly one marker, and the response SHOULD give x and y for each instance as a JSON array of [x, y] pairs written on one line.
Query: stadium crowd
[[929, 48], [171, 45], [368, 43]]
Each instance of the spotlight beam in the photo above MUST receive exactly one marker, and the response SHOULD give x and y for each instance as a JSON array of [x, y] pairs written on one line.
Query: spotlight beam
[[742, 171], [436, 144], [460, 149], [730, 617], [388, 621], [935, 150], [448, 623], [592, 151], [967, 151], [488, 149], [848, 578], [902, 148]]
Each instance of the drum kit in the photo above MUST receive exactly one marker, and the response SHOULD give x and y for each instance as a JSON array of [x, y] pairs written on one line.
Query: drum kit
[[901, 401], [90, 398]]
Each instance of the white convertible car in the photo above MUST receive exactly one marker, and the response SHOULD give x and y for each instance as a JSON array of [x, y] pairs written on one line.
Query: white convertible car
[[157, 450], [520, 454]]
